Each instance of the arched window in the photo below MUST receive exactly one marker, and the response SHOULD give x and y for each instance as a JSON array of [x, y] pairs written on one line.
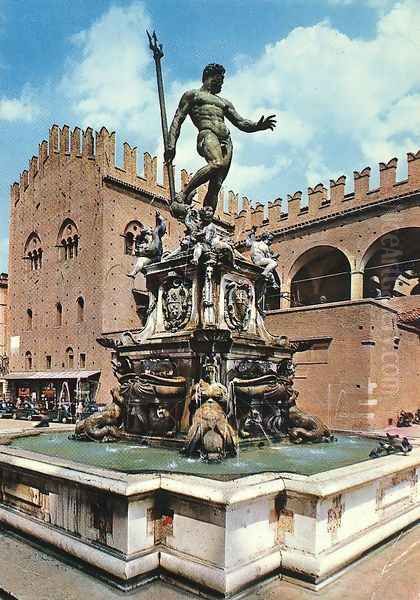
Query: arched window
[[70, 358], [33, 252], [28, 361], [132, 234], [29, 319], [68, 240], [80, 309], [58, 314]]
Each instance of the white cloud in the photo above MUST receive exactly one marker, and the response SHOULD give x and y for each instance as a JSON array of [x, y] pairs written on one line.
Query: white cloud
[[327, 87], [330, 92], [108, 79], [24, 108]]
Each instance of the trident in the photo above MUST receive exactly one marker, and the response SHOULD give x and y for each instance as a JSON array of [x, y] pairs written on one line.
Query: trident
[[157, 50]]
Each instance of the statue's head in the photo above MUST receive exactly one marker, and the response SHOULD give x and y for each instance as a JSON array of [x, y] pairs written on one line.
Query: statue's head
[[210, 370], [267, 238], [206, 214], [213, 76], [145, 235]]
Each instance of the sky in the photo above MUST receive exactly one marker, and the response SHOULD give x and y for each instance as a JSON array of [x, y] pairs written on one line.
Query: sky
[[342, 76]]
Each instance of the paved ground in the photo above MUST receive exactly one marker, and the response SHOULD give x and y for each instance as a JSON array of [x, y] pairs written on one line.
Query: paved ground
[[15, 426], [386, 574], [28, 573]]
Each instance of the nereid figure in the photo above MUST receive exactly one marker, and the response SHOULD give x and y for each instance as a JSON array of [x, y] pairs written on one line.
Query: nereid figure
[[150, 248], [208, 238], [263, 256]]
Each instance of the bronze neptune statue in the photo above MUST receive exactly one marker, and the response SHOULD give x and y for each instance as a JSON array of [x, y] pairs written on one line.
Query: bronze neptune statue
[[207, 110]]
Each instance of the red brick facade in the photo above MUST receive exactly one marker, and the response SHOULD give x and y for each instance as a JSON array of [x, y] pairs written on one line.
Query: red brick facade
[[73, 207]]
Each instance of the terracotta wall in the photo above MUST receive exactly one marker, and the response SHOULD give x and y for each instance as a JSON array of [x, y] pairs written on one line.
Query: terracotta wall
[[363, 367]]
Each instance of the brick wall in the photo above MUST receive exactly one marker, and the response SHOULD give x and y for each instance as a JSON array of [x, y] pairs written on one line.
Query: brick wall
[[363, 367]]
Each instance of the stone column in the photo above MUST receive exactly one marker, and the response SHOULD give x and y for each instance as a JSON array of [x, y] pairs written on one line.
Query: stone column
[[356, 292]]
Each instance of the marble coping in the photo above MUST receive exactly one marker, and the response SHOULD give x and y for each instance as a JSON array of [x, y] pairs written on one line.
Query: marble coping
[[230, 492]]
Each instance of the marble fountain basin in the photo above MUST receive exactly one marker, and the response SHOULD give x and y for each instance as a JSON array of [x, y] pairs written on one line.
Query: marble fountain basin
[[129, 513]]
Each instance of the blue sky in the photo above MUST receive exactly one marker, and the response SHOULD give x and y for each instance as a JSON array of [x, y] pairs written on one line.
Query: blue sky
[[343, 77]]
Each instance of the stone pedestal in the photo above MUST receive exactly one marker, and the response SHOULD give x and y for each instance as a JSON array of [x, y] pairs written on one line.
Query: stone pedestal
[[211, 310]]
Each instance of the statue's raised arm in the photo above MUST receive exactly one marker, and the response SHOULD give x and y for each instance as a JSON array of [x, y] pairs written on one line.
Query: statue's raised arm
[[160, 228], [250, 238], [247, 125]]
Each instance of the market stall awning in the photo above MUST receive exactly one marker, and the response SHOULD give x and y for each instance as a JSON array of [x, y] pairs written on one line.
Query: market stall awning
[[25, 375]]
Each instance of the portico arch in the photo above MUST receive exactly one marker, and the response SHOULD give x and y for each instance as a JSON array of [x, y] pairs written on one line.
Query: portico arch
[[321, 274], [391, 264]]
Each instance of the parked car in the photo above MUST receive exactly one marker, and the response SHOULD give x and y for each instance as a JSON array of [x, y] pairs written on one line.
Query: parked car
[[26, 411], [6, 410], [60, 414]]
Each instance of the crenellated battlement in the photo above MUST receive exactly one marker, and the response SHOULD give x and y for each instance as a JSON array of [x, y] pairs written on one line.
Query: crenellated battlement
[[64, 145], [320, 202]]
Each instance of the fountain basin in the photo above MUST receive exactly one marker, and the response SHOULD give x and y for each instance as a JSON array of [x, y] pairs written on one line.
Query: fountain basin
[[220, 532], [134, 458]]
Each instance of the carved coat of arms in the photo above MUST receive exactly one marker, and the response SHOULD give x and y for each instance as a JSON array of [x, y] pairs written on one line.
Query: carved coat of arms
[[238, 302], [176, 302]]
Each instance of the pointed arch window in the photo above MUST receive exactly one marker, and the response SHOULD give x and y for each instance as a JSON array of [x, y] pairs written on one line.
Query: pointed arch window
[[28, 361], [70, 358], [80, 309], [33, 252], [29, 319], [68, 240], [58, 314]]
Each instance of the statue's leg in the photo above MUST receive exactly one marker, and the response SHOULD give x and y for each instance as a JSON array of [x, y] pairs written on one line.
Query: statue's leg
[[138, 265], [198, 251], [141, 262], [217, 178], [268, 272], [208, 146]]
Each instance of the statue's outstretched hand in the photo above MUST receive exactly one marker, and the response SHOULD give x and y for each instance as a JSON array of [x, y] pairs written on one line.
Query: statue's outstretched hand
[[267, 122], [169, 155]]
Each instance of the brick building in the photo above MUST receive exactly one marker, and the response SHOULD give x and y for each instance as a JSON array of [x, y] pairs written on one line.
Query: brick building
[[349, 269]]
